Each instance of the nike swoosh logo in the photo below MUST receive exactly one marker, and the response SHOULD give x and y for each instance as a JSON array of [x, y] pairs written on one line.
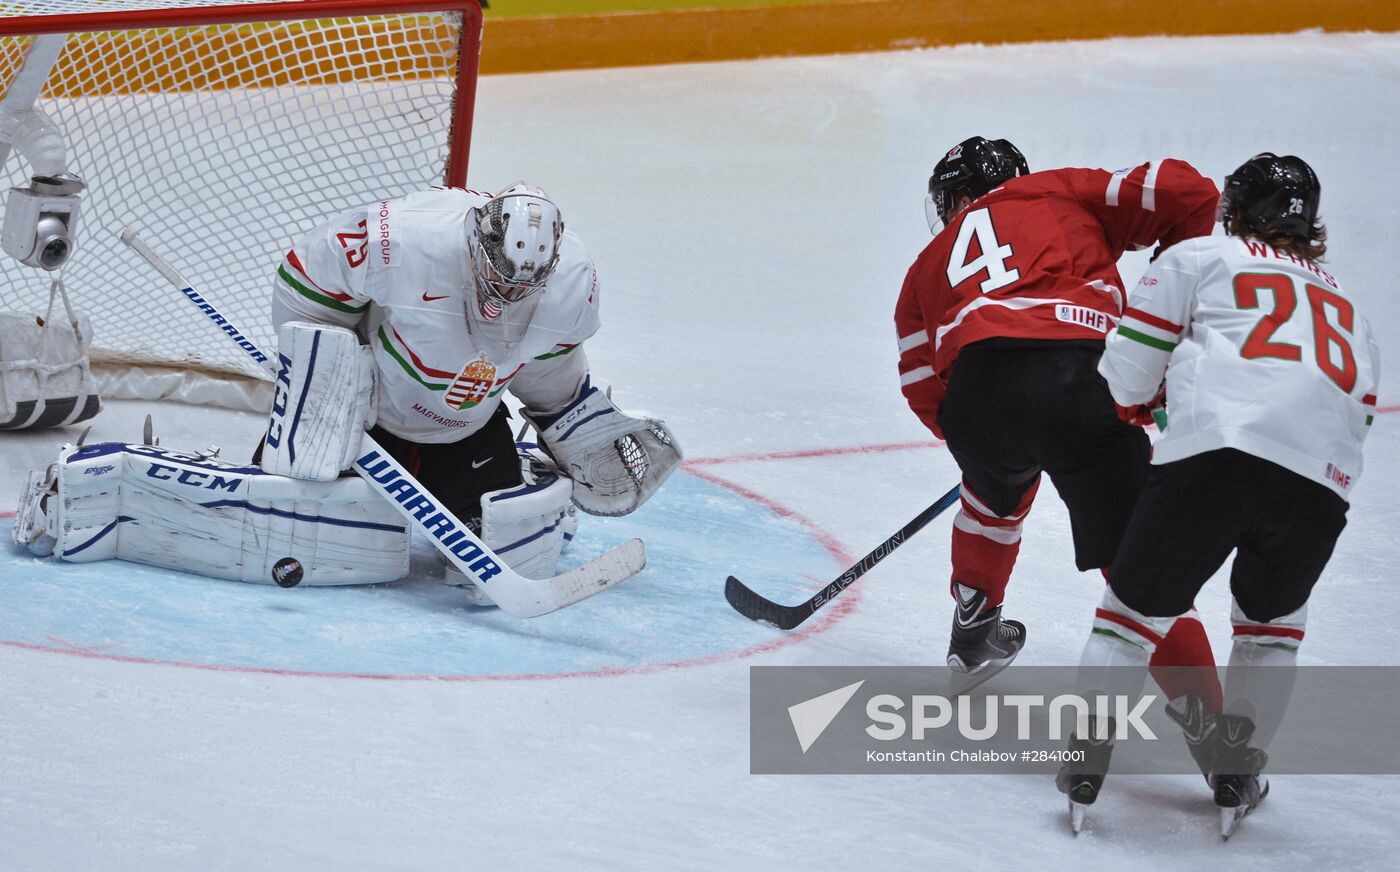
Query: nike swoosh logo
[[477, 464], [428, 299]]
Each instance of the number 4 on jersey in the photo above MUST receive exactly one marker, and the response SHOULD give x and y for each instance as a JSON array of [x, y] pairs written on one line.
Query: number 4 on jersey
[[977, 225]]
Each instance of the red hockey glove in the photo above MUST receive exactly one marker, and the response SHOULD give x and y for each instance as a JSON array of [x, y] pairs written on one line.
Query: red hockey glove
[[1141, 415]]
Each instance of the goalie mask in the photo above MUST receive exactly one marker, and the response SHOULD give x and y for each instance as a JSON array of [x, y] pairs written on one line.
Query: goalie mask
[[514, 245]]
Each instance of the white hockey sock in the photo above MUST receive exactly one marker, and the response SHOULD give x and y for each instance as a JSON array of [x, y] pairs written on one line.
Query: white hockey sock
[[1263, 667], [1114, 661]]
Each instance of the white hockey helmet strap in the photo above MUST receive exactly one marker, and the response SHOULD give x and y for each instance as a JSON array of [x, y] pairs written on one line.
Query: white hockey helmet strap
[[515, 244]]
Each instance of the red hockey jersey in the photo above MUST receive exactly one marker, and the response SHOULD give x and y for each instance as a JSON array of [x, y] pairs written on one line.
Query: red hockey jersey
[[1037, 259]]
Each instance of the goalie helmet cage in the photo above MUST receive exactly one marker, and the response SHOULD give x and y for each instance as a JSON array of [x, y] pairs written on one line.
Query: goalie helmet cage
[[225, 130]]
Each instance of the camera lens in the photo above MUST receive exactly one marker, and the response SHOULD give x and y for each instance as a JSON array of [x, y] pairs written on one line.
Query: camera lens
[[55, 252], [52, 244]]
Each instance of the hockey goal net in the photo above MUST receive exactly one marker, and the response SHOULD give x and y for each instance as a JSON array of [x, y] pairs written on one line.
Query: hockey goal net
[[224, 129]]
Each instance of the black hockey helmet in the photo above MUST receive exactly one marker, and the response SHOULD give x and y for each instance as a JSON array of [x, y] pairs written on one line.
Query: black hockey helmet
[[1273, 195], [972, 168]]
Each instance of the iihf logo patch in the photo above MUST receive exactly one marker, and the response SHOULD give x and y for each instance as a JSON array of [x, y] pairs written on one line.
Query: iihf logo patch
[[1338, 477], [471, 385]]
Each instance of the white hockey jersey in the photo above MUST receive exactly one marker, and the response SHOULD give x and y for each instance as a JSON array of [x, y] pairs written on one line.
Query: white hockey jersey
[[1263, 352], [398, 271]]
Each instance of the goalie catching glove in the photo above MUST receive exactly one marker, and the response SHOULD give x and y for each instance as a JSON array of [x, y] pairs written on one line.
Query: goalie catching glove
[[616, 460]]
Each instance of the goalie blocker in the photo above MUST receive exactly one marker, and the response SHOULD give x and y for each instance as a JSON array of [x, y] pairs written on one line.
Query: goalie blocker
[[322, 403]]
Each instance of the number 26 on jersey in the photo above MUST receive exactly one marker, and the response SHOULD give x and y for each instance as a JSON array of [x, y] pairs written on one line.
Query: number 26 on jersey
[[1331, 346]]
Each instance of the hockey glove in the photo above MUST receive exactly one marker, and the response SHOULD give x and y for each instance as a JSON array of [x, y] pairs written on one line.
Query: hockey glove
[[1154, 411], [617, 461]]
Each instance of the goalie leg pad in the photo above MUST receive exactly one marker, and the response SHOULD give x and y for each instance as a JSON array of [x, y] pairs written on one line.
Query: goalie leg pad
[[193, 513], [527, 525], [322, 403], [616, 460]]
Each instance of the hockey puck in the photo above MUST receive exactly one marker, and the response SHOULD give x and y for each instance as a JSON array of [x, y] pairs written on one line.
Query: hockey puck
[[287, 572]]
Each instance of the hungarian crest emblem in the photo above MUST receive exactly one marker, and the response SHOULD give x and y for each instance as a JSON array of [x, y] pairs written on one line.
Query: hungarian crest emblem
[[471, 385]]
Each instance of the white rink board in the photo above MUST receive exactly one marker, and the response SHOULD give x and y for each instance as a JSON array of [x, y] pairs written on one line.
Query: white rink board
[[752, 223]]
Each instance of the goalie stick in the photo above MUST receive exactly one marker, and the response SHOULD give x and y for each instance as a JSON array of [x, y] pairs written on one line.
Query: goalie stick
[[515, 594], [757, 608]]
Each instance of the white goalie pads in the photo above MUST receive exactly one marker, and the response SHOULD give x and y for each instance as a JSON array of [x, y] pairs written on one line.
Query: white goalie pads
[[196, 514], [616, 460], [528, 526], [322, 404], [44, 375]]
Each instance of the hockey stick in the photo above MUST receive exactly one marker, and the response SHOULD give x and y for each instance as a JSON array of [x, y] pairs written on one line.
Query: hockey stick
[[757, 608], [515, 594]]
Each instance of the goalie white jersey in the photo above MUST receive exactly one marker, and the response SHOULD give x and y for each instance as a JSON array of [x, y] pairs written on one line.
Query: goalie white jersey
[[398, 272], [1267, 354]]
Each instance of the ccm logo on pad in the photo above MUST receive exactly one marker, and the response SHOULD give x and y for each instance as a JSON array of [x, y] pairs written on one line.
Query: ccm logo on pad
[[193, 477]]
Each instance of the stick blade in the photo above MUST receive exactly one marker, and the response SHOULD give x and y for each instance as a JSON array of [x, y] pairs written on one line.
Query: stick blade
[[597, 575], [757, 608]]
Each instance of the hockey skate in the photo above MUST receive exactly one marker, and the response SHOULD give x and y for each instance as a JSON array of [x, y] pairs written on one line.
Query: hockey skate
[[1235, 769], [31, 519], [1189, 713], [982, 643], [1081, 779]]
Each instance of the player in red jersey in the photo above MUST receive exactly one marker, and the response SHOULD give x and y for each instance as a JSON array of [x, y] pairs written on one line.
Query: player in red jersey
[[1001, 324]]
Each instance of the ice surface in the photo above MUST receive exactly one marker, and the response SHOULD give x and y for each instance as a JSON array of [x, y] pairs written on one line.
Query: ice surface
[[751, 223]]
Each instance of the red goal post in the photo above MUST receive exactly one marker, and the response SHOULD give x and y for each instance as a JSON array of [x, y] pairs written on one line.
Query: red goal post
[[224, 129]]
